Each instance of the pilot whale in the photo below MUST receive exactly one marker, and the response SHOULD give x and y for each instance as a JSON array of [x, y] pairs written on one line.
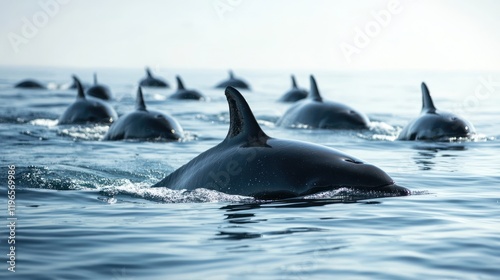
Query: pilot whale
[[249, 162], [87, 110], [31, 84], [294, 94], [183, 94], [314, 112], [151, 81], [99, 90], [233, 82], [73, 85], [435, 125], [145, 125]]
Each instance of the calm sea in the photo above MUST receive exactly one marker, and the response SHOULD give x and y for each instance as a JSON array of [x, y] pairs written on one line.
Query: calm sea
[[84, 208]]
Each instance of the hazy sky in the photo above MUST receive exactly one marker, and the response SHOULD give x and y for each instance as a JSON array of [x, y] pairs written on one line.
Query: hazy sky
[[253, 34]]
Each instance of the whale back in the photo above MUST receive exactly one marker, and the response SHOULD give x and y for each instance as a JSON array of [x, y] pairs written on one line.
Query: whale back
[[250, 163]]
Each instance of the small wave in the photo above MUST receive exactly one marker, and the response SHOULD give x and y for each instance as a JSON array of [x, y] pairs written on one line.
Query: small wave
[[380, 131], [214, 118], [35, 134], [473, 138], [166, 195], [84, 132], [301, 126], [116, 189], [44, 122]]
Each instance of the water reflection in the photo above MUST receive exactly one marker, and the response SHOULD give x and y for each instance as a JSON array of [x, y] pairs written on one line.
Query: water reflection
[[301, 202], [425, 158], [240, 216]]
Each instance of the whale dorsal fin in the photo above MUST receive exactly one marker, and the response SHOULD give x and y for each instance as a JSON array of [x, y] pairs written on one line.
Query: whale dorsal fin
[[139, 102], [95, 78], [242, 121], [427, 104], [231, 74], [314, 93], [180, 84], [79, 87], [148, 72], [294, 83]]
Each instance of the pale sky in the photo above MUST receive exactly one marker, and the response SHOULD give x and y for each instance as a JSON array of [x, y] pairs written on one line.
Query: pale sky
[[253, 34]]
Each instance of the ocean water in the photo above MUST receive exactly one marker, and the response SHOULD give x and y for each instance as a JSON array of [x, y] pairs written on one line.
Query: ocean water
[[85, 210]]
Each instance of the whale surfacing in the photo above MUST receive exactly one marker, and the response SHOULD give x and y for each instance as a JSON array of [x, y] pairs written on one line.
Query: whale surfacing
[[151, 81], [185, 94], [436, 125], [100, 91], [294, 94], [87, 110], [314, 112], [30, 84], [233, 82], [248, 162], [143, 124]]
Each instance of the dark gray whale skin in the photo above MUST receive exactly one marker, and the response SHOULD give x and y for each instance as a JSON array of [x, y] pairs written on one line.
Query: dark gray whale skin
[[314, 112], [87, 110], [435, 125], [151, 81], [99, 90], [185, 94], [30, 84], [250, 163], [233, 82], [294, 94], [143, 124]]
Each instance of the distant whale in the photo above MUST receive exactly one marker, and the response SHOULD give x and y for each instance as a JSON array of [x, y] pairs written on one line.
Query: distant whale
[[99, 90], [87, 110], [435, 125], [151, 81], [233, 82], [294, 94], [32, 84], [250, 163], [183, 93], [314, 112], [145, 125], [73, 85]]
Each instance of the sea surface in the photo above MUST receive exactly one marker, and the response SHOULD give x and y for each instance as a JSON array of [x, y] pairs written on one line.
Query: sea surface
[[85, 209]]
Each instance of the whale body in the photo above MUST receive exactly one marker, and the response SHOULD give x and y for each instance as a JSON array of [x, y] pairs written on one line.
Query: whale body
[[314, 112], [87, 110], [151, 81], [185, 94], [99, 90], [294, 94], [249, 162], [144, 124], [436, 125], [233, 82], [31, 84]]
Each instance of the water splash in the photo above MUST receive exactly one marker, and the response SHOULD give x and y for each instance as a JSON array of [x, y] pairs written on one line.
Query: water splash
[[84, 132], [44, 122]]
